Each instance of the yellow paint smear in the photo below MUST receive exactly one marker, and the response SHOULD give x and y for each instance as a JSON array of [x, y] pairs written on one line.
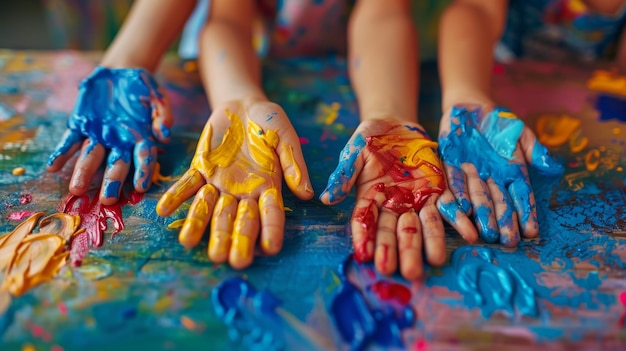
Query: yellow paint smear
[[293, 179], [157, 177], [607, 82], [507, 114], [555, 130], [28, 259]]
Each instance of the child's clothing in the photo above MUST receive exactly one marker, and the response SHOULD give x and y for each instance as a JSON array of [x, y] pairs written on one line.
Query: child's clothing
[[558, 30]]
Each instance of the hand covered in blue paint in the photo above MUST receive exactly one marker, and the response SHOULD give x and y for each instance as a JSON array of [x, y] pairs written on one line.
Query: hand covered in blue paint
[[398, 177], [485, 157], [120, 112], [236, 177]]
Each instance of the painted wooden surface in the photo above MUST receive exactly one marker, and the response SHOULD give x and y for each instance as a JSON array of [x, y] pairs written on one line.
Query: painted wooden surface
[[142, 289]]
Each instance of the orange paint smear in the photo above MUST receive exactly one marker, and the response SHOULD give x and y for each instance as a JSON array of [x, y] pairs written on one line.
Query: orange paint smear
[[556, 130], [607, 82], [28, 259]]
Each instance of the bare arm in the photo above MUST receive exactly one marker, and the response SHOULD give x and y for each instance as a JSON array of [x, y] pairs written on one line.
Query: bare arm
[[382, 48], [148, 31], [468, 32], [229, 65]]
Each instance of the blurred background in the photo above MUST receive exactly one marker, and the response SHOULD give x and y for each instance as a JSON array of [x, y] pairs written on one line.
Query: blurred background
[[92, 24]]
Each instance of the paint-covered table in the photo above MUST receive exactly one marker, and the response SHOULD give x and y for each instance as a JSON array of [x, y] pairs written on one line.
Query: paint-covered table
[[141, 289]]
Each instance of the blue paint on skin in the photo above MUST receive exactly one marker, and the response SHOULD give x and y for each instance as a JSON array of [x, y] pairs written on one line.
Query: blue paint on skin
[[361, 321], [488, 142], [112, 189], [611, 108], [449, 210], [482, 215], [113, 109], [544, 162], [344, 172]]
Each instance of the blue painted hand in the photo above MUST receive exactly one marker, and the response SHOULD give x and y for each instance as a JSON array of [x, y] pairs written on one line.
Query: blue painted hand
[[485, 157], [399, 178], [122, 112]]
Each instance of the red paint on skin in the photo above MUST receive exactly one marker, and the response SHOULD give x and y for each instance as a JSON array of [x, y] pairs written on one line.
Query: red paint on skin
[[365, 216], [385, 258], [26, 199], [94, 218], [391, 291], [20, 215], [410, 230]]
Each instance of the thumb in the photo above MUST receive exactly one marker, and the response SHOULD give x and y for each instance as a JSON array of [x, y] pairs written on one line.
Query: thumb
[[344, 176], [293, 165], [162, 118], [538, 156]]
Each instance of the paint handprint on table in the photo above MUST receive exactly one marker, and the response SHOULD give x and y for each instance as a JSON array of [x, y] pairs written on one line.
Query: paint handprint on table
[[119, 114], [485, 157], [236, 177], [398, 177]]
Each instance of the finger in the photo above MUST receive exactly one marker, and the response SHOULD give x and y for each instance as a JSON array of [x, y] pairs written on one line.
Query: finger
[[162, 118], [294, 168], [198, 217], [114, 177], [145, 158], [410, 245], [222, 226], [482, 208], [386, 254], [524, 200], [89, 161], [433, 232], [450, 211], [344, 176], [67, 147], [538, 155], [272, 214], [178, 193], [245, 234], [505, 214], [363, 225], [458, 187]]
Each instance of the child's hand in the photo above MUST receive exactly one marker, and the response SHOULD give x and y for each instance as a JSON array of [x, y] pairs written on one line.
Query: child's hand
[[485, 157], [120, 112], [236, 178], [399, 178]]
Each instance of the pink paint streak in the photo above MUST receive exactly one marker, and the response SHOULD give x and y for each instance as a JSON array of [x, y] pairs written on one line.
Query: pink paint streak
[[19, 215], [26, 199], [94, 218]]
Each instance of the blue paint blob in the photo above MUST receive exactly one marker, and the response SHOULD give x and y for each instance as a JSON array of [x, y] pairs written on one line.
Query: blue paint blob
[[544, 162], [482, 215], [114, 110], [448, 210], [250, 315], [341, 176], [361, 321], [611, 107]]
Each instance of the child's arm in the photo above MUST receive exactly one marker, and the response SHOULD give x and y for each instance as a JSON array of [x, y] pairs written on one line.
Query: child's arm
[[485, 154], [389, 157], [247, 145], [120, 110]]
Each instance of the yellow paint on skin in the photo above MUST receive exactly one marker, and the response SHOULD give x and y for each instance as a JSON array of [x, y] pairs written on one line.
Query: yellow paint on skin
[[199, 214], [225, 153], [167, 201], [269, 196], [242, 244], [219, 244], [262, 146], [294, 178], [157, 177], [244, 186], [413, 151]]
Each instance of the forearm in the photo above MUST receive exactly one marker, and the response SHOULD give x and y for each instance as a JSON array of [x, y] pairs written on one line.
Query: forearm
[[383, 62], [148, 31], [229, 65], [468, 33]]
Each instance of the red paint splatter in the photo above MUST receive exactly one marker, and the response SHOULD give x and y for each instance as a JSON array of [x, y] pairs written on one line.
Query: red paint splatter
[[420, 345], [622, 298], [390, 291], [94, 218], [56, 348], [62, 309], [365, 216], [304, 141], [498, 69], [26, 199], [20, 215]]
